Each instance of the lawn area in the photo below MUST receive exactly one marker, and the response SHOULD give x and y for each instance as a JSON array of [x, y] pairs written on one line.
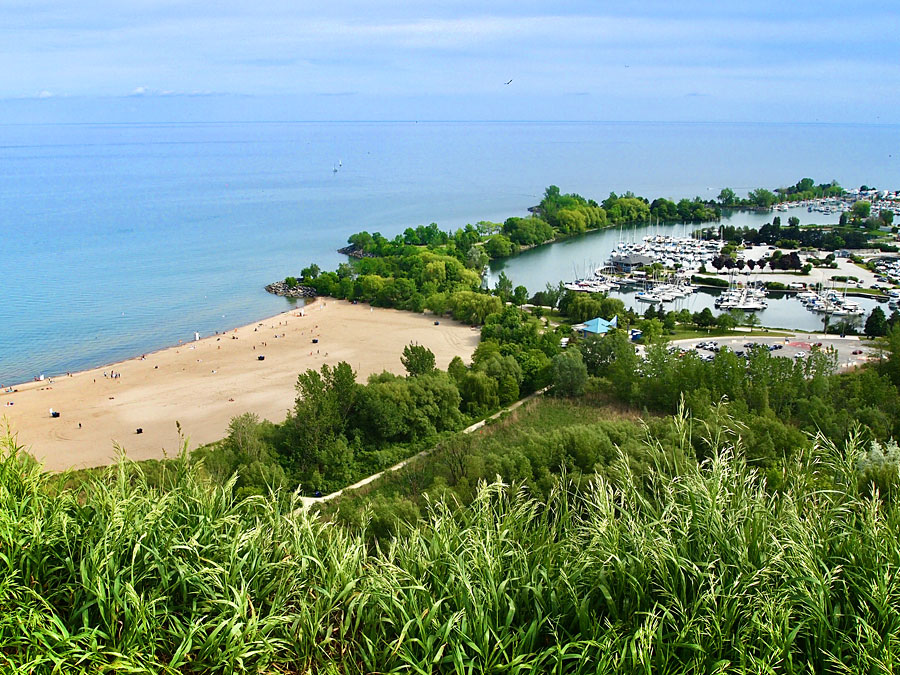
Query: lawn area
[[693, 333], [866, 291]]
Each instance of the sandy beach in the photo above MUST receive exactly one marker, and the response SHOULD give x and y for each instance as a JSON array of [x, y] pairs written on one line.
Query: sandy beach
[[203, 384]]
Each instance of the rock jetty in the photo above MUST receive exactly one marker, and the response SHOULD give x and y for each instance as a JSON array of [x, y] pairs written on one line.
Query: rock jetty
[[282, 289], [355, 251]]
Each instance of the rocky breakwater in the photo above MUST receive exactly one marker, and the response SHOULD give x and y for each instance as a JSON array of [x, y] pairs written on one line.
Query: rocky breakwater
[[355, 251], [293, 291]]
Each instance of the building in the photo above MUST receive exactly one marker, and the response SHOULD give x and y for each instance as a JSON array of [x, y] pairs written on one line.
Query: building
[[625, 264], [596, 326]]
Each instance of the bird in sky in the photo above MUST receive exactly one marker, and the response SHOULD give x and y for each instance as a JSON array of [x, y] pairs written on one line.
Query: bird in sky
[[509, 82]]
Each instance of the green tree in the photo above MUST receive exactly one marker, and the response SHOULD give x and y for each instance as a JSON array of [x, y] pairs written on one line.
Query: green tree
[[310, 273], [725, 322], [704, 318], [320, 416], [890, 366], [504, 287], [520, 296], [498, 246], [418, 360], [476, 258], [739, 316], [763, 198], [569, 373], [727, 197], [876, 323], [861, 210], [480, 393], [651, 331], [457, 370]]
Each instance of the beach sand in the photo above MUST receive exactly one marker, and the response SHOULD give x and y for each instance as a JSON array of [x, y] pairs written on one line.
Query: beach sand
[[204, 384]]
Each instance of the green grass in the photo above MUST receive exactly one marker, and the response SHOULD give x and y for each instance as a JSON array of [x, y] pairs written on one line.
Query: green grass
[[865, 291], [691, 568], [682, 333]]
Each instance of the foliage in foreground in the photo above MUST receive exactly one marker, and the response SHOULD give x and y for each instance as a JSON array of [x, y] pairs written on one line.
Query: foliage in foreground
[[695, 567]]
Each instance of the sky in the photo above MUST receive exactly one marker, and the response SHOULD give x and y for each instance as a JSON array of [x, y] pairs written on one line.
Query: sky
[[121, 60]]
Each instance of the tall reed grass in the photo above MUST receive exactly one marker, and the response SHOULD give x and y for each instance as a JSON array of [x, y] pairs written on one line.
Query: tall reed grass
[[696, 569]]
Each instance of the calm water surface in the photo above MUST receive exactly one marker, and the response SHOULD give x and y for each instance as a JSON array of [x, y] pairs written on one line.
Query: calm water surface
[[119, 239]]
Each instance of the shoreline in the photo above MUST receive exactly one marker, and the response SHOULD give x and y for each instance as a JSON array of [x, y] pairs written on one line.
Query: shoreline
[[204, 384], [110, 364]]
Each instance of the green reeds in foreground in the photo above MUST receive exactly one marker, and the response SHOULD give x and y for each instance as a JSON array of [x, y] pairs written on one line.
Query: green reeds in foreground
[[697, 569]]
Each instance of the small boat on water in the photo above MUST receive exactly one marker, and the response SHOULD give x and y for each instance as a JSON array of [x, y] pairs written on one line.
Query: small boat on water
[[649, 296]]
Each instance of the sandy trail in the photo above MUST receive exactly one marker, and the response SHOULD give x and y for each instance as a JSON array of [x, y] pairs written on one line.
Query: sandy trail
[[204, 384]]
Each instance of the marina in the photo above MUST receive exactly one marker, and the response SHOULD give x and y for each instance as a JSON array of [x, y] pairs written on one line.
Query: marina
[[779, 309], [684, 253]]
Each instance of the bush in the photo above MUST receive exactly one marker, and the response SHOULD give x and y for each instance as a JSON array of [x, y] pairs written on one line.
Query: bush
[[709, 281]]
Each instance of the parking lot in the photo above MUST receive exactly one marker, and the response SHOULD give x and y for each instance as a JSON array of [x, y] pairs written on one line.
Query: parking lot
[[851, 351]]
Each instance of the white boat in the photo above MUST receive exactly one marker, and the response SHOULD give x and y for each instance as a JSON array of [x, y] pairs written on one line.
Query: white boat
[[649, 296]]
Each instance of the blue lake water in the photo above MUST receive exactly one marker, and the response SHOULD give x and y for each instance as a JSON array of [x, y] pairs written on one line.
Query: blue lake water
[[119, 239]]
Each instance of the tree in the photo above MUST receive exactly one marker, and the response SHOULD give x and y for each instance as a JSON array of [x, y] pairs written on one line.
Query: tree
[[725, 322], [887, 217], [727, 197], [480, 393], [321, 413], [893, 319], [876, 324], [520, 295], [891, 365], [651, 331], [569, 373], [498, 246], [476, 258], [418, 360], [504, 287], [311, 272], [704, 318], [291, 282], [763, 198], [457, 369], [861, 210]]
